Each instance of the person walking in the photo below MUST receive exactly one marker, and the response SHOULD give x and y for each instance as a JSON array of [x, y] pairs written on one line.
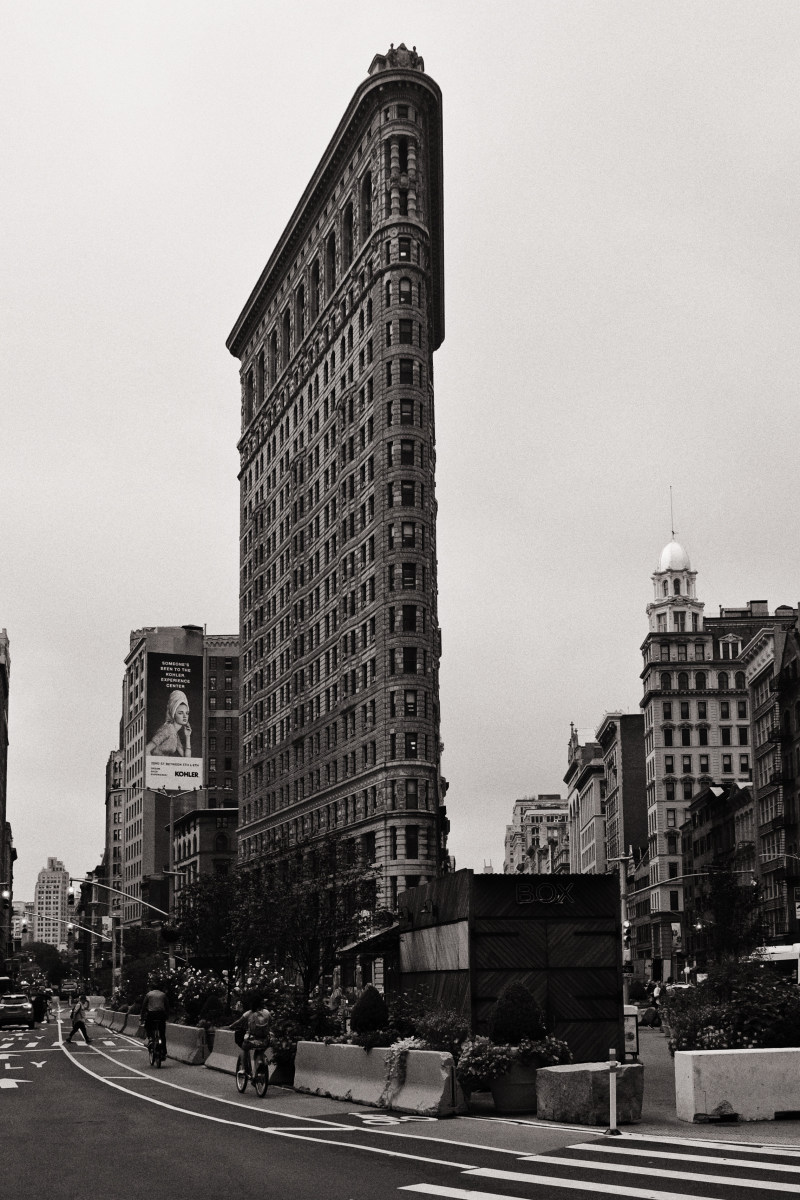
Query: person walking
[[79, 1010]]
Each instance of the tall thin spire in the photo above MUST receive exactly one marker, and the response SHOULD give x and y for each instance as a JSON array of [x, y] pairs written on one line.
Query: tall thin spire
[[671, 517]]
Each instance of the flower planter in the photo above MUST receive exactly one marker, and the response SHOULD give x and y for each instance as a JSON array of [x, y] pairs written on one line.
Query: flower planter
[[515, 1091]]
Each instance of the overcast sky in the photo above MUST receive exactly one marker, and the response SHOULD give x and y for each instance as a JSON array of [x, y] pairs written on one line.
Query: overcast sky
[[622, 314]]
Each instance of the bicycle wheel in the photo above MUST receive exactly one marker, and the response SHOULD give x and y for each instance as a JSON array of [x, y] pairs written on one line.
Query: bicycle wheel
[[241, 1074], [153, 1048], [160, 1055], [261, 1079]]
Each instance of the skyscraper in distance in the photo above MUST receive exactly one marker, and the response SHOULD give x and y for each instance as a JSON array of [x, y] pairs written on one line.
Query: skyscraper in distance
[[338, 588]]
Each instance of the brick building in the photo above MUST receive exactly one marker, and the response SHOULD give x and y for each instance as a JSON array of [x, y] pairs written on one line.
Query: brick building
[[338, 588]]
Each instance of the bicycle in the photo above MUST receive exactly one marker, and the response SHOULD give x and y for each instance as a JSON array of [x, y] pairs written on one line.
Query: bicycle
[[155, 1049], [259, 1074]]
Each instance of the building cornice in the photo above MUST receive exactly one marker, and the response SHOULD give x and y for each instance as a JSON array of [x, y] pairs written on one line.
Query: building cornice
[[343, 143]]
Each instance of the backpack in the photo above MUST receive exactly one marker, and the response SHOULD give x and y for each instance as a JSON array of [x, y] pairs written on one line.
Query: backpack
[[258, 1026]]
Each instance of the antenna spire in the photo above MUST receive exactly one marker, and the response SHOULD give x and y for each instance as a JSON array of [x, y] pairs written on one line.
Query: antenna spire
[[671, 517]]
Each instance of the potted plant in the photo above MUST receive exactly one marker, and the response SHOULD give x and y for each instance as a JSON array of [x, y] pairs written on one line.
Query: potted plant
[[507, 1060]]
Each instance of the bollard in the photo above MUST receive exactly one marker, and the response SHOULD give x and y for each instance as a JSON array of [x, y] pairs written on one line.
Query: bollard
[[612, 1093]]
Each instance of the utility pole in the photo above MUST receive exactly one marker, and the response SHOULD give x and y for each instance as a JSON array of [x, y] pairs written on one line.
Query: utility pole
[[623, 861]]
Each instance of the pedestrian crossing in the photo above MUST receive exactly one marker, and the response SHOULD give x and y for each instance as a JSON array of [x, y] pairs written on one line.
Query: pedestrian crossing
[[635, 1169]]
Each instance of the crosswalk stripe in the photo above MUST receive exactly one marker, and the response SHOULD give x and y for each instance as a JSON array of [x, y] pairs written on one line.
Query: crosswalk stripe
[[729, 1147], [576, 1185], [762, 1185], [713, 1159]]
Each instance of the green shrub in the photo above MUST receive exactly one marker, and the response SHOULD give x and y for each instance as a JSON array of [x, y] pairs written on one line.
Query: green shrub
[[369, 1012], [516, 1016], [443, 1029], [740, 1006]]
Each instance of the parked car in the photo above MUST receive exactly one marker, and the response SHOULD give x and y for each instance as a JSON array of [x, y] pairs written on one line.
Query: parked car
[[16, 1009]]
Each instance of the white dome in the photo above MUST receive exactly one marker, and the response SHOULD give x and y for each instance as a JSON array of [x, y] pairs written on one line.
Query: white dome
[[674, 558]]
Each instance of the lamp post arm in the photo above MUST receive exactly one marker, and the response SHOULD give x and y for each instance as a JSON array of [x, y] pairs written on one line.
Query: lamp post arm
[[127, 895]]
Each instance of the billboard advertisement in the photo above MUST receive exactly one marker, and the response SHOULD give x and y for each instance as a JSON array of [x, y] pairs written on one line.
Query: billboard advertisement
[[173, 754]]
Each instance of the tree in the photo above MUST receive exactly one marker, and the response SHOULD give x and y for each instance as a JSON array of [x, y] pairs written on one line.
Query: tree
[[213, 919], [730, 922], [49, 960], [311, 902]]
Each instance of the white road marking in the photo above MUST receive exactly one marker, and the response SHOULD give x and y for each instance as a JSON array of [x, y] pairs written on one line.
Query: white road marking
[[455, 1193], [773, 1148], [626, 1169], [713, 1159], [12, 1083], [39, 1065]]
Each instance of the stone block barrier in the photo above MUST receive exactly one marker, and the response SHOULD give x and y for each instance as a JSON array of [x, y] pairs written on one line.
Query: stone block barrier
[[225, 1053], [186, 1044], [117, 1022], [578, 1093], [755, 1085], [102, 1016], [350, 1073]]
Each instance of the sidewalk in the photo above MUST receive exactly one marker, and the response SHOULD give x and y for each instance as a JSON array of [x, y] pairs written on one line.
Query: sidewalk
[[658, 1105]]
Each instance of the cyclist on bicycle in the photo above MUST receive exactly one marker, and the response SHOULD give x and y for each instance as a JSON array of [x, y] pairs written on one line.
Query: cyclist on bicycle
[[155, 1010], [255, 1023]]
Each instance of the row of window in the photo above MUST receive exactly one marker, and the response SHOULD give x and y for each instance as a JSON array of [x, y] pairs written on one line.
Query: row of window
[[701, 681], [683, 737], [684, 711]]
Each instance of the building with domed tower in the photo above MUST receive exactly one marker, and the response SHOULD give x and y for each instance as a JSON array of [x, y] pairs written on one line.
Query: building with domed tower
[[697, 732], [340, 637]]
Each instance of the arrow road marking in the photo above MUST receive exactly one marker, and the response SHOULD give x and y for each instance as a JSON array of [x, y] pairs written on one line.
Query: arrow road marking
[[39, 1065], [12, 1083]]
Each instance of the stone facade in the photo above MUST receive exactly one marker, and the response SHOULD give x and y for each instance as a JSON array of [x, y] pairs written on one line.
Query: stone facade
[[338, 589], [696, 728]]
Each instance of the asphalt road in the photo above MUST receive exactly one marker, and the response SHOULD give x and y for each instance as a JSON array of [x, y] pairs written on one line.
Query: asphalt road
[[98, 1122]]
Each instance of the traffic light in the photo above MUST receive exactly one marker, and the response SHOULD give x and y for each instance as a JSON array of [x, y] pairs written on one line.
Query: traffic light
[[6, 894], [24, 926], [71, 896], [626, 934]]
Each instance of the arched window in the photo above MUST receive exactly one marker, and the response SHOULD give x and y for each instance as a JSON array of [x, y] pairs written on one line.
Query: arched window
[[405, 291], [286, 338], [260, 378], [248, 398], [700, 681], [740, 682], [666, 681], [330, 265], [722, 681], [665, 588], [366, 206], [314, 297], [272, 358], [683, 681], [300, 313], [347, 237], [676, 586]]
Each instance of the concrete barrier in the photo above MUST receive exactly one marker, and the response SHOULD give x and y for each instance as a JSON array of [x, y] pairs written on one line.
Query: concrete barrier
[[578, 1093], [96, 1002], [186, 1044], [225, 1053], [117, 1022], [350, 1073], [134, 1025], [757, 1085], [101, 1016]]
